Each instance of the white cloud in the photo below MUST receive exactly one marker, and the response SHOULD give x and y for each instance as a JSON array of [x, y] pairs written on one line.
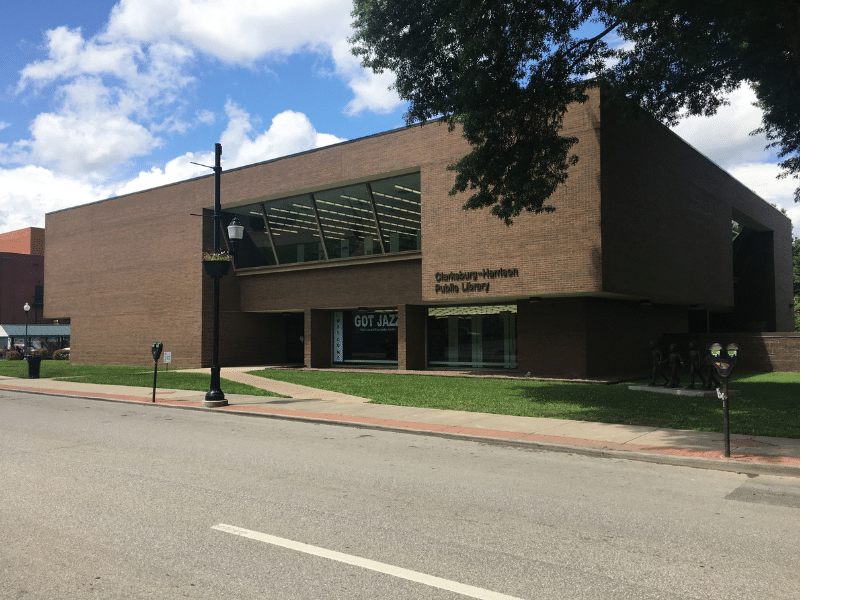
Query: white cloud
[[207, 117], [761, 178], [89, 135], [245, 34], [232, 32], [70, 55], [125, 86], [725, 138], [289, 132], [177, 169], [27, 193]]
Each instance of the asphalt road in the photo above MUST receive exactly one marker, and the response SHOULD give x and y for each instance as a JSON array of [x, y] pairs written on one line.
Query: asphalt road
[[110, 500]]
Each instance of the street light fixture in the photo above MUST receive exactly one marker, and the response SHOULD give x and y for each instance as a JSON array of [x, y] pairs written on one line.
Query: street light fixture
[[27, 329], [235, 232], [215, 397]]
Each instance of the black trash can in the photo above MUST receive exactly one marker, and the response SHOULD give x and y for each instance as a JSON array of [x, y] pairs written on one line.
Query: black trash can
[[34, 367]]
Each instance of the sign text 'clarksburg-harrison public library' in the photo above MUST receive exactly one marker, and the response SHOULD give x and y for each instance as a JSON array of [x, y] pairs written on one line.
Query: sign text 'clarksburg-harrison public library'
[[469, 280]]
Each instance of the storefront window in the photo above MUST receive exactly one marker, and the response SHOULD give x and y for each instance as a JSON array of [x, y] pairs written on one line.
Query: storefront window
[[472, 337], [366, 337]]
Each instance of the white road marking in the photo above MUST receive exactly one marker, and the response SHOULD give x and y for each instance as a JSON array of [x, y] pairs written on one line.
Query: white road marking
[[437, 582]]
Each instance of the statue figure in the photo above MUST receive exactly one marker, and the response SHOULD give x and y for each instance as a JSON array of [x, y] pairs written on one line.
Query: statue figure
[[657, 362], [711, 382], [695, 364], [675, 360]]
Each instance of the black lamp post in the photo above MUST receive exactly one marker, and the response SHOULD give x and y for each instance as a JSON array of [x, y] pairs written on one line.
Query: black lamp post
[[215, 397], [27, 328]]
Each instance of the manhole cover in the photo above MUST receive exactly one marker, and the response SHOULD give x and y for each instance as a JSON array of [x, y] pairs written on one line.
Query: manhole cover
[[745, 443]]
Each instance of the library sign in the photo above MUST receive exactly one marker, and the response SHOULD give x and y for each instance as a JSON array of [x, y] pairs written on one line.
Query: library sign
[[457, 282]]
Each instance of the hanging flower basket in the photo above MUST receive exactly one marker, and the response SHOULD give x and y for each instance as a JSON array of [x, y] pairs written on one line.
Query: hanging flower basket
[[216, 268]]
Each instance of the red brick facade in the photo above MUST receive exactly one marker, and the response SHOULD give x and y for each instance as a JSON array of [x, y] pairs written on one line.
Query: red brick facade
[[640, 235]]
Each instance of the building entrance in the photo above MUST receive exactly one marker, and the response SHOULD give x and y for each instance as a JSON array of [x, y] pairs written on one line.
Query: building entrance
[[478, 337], [294, 338]]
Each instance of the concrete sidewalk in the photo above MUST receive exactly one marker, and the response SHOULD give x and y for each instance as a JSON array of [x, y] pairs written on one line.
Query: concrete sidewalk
[[750, 454]]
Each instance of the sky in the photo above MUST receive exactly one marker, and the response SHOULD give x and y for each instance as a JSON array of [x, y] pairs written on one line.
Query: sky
[[99, 98]]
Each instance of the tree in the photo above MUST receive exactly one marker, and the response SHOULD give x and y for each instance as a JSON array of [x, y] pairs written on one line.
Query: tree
[[687, 55], [507, 71]]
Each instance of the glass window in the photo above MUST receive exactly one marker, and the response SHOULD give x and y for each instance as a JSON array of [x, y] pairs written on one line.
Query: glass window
[[254, 249], [398, 204], [293, 230], [366, 336], [347, 222], [472, 336], [382, 216]]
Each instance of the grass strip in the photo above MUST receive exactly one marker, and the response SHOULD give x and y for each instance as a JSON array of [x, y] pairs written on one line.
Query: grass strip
[[769, 404], [130, 376]]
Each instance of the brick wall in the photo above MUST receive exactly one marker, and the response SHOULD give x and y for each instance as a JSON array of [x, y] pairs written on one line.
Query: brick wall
[[19, 276], [634, 220], [23, 241], [555, 253], [127, 272]]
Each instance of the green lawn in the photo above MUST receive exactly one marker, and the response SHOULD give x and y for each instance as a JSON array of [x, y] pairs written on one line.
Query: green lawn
[[769, 403], [132, 376]]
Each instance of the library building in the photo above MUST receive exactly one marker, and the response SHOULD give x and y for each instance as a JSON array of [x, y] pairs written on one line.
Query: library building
[[355, 255]]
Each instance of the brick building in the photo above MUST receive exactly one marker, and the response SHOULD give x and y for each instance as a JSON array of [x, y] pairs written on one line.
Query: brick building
[[355, 254], [22, 282]]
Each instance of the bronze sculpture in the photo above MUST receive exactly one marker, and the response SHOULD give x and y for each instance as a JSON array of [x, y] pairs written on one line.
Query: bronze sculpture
[[695, 364], [657, 362], [675, 360]]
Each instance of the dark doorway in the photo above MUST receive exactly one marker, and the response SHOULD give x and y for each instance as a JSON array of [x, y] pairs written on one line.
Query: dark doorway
[[294, 328]]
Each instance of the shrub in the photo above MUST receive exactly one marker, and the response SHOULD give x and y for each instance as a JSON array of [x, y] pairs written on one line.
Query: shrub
[[62, 354], [14, 355], [42, 352]]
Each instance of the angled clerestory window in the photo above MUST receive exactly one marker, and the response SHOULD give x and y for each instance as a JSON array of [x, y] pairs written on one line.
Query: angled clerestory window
[[377, 217]]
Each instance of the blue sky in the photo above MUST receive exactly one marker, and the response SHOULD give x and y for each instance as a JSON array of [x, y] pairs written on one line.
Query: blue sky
[[103, 98]]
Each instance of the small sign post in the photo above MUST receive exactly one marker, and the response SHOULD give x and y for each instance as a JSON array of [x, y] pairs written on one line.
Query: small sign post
[[156, 351], [166, 358]]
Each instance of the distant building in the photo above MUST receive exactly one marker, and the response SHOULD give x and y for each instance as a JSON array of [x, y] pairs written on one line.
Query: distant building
[[356, 254], [22, 282]]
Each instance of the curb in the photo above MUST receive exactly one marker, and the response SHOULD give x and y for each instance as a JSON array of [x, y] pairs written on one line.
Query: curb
[[660, 456]]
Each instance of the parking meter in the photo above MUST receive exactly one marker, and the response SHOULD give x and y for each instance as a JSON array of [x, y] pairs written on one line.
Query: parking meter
[[156, 351], [724, 366]]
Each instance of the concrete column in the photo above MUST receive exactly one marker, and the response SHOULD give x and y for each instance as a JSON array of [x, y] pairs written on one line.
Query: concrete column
[[412, 337], [318, 338]]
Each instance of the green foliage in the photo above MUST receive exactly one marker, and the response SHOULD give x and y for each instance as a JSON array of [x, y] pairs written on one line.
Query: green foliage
[[796, 313], [14, 355], [688, 55], [62, 354], [796, 260], [216, 256], [769, 403], [507, 71]]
